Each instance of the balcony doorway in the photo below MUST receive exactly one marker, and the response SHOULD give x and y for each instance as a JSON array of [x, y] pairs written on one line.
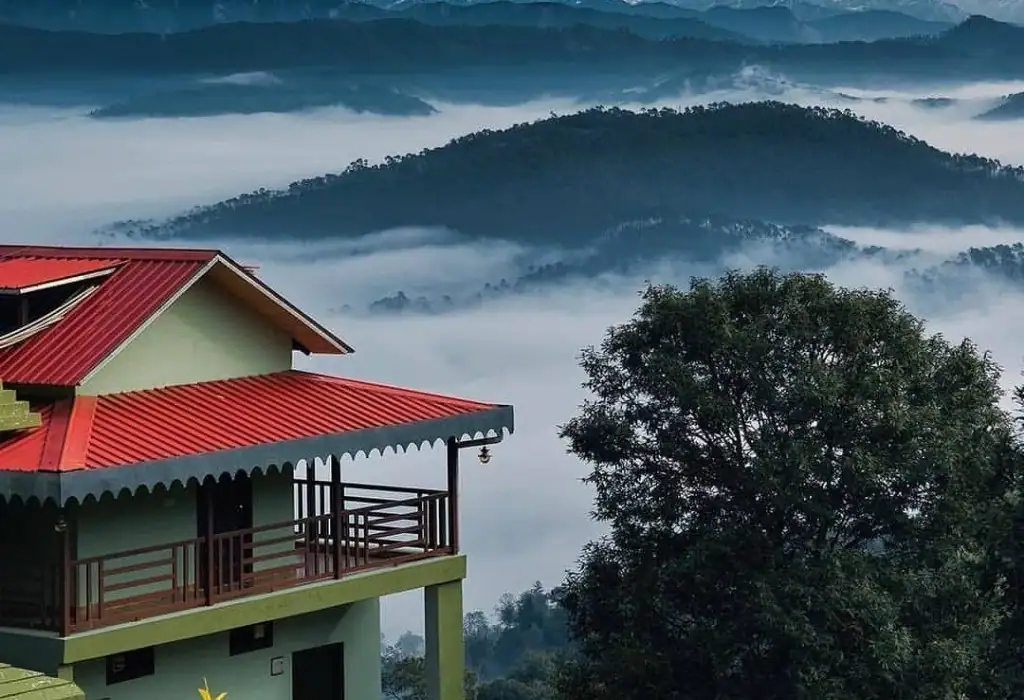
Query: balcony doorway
[[319, 673], [226, 505]]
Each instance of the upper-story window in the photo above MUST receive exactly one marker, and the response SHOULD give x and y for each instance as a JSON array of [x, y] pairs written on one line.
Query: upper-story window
[[30, 302]]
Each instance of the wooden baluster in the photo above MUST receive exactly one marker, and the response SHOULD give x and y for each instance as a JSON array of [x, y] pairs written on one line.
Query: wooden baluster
[[421, 520], [366, 538], [100, 583], [453, 494], [174, 574], [337, 508], [432, 522], [209, 545], [67, 583], [88, 591], [443, 521]]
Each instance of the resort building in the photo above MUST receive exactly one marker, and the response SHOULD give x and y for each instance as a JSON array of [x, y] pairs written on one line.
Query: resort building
[[174, 510]]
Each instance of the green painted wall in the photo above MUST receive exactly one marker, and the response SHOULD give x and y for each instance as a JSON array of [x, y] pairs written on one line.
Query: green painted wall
[[205, 335], [181, 666], [166, 516], [134, 522], [273, 501]]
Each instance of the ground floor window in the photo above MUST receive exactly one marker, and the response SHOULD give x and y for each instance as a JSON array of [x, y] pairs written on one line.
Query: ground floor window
[[250, 638], [130, 665]]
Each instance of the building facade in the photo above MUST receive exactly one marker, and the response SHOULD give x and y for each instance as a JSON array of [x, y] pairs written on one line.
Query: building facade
[[172, 490]]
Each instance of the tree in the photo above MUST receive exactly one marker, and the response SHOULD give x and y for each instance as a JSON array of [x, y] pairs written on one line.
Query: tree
[[798, 482], [1006, 566], [405, 677], [511, 659]]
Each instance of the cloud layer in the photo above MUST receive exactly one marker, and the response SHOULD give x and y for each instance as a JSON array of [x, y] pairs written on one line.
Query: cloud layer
[[525, 515]]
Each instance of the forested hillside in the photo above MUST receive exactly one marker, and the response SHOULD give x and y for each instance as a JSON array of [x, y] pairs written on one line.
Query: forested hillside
[[979, 47], [566, 179]]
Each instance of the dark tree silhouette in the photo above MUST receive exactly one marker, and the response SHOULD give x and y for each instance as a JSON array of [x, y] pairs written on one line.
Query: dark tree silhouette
[[800, 485]]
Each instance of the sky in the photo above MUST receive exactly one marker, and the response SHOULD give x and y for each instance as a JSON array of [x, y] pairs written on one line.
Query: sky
[[525, 515]]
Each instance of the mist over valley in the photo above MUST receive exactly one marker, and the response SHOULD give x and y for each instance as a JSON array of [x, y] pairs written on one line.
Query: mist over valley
[[471, 193]]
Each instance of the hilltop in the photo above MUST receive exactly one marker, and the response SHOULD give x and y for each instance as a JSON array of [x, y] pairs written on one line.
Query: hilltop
[[1010, 107], [564, 180]]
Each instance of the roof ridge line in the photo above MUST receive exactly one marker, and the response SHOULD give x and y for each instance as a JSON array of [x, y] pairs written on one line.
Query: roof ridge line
[[158, 253], [53, 443], [79, 430]]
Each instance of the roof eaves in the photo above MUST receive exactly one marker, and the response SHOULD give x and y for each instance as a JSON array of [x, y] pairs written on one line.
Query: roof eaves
[[495, 420], [300, 316]]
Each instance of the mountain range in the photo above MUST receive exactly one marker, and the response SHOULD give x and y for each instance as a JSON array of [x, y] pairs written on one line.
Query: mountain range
[[614, 190], [976, 48], [656, 20], [178, 15]]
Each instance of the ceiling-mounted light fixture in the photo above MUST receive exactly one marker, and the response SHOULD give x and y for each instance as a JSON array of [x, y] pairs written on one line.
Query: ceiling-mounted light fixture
[[485, 455]]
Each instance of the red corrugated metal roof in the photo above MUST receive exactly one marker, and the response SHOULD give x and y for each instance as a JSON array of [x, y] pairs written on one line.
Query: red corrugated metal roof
[[65, 353], [22, 272], [143, 426]]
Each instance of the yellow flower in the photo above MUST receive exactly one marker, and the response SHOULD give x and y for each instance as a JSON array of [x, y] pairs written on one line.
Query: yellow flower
[[205, 693]]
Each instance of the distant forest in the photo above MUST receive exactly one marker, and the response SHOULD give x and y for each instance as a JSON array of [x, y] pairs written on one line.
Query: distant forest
[[509, 656], [796, 249], [564, 180], [979, 48], [657, 20], [1010, 107]]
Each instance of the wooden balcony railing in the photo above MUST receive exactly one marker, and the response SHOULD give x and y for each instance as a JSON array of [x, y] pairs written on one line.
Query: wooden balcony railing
[[371, 531]]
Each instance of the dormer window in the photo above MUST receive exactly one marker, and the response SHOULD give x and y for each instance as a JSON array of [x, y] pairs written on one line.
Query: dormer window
[[36, 293], [18, 310]]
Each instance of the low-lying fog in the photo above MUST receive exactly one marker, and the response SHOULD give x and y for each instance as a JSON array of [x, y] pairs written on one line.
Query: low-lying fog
[[525, 514]]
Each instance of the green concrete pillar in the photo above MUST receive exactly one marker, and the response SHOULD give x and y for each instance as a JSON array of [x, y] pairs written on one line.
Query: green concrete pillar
[[67, 673], [445, 654]]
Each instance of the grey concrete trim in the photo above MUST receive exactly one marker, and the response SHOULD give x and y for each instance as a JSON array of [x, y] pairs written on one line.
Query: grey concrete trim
[[83, 484]]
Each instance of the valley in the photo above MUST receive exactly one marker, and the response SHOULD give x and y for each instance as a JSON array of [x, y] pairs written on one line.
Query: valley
[[473, 192]]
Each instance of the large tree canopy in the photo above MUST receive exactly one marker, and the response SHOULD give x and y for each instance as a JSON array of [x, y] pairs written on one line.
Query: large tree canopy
[[799, 482]]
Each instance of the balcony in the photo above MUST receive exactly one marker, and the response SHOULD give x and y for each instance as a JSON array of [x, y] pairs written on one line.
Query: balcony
[[337, 532]]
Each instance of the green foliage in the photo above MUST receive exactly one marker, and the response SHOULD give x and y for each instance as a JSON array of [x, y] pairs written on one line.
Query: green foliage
[[802, 488], [527, 624], [565, 180], [403, 677], [1005, 568], [530, 678], [512, 658]]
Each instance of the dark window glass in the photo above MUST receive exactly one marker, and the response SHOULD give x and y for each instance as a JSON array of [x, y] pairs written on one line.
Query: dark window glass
[[251, 638], [130, 665]]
